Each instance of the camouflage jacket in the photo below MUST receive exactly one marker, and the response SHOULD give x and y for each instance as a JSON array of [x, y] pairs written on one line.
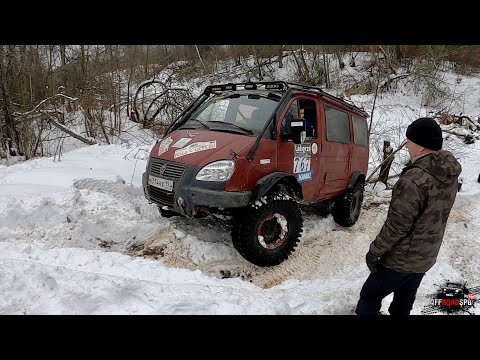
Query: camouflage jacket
[[422, 198]]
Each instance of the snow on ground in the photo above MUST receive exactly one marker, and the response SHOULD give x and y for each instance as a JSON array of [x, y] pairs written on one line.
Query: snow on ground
[[77, 236], [70, 230]]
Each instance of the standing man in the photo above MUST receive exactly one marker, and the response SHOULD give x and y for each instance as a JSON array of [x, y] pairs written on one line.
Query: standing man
[[409, 241]]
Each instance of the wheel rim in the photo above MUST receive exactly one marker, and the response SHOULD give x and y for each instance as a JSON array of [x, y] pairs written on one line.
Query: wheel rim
[[272, 231]]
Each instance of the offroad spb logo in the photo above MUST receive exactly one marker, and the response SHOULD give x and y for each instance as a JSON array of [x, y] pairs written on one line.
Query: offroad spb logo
[[452, 298]]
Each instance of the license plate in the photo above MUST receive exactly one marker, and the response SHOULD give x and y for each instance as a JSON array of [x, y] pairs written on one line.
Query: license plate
[[160, 183]]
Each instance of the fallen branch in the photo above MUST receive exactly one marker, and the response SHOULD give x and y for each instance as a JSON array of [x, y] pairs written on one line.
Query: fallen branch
[[62, 127], [393, 78], [467, 138], [461, 117], [455, 133], [371, 181]]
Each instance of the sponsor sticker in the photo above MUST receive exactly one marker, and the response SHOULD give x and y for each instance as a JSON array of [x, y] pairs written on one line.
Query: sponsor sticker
[[195, 147], [303, 149], [181, 143], [264, 161], [296, 124], [301, 164], [164, 145], [305, 176]]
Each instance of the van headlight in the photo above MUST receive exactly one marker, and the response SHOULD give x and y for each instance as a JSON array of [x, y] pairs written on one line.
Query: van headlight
[[217, 171]]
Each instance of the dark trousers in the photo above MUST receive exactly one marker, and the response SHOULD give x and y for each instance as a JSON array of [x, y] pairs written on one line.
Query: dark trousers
[[382, 283]]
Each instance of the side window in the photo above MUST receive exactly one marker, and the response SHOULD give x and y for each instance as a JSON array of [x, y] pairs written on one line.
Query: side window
[[305, 108], [338, 126], [308, 111], [360, 131], [293, 110]]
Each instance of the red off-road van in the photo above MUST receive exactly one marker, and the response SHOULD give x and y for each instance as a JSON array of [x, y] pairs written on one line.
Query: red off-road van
[[255, 151]]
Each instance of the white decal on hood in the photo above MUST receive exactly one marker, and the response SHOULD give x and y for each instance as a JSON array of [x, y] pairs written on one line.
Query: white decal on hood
[[181, 143], [195, 147], [164, 145], [264, 161]]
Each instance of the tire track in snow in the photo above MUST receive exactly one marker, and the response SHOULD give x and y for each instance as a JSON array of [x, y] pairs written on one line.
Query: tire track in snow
[[205, 244], [325, 247], [461, 237]]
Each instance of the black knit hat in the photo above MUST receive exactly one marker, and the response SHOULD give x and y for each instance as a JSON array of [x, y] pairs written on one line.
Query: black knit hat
[[425, 132]]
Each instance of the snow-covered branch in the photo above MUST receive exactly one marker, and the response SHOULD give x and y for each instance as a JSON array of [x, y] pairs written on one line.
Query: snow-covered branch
[[43, 103], [74, 134], [393, 77]]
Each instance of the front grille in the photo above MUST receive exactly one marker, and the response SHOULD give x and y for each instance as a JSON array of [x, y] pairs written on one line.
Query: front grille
[[161, 197], [167, 170]]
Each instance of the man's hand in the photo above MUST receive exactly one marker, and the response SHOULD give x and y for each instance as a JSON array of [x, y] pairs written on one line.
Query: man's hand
[[372, 261]]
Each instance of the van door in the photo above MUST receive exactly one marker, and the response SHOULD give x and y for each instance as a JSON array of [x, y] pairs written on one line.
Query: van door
[[301, 160], [335, 151], [360, 151]]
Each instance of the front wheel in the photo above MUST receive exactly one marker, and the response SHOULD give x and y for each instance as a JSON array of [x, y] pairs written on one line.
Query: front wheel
[[346, 210], [266, 233]]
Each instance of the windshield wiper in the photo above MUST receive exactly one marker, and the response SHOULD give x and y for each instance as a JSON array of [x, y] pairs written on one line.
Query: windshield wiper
[[248, 131], [201, 122]]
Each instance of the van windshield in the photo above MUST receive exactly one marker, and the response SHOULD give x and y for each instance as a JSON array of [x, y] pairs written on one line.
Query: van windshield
[[242, 113]]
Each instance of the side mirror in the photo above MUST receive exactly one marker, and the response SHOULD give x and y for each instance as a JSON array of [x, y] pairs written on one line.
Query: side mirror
[[294, 129]]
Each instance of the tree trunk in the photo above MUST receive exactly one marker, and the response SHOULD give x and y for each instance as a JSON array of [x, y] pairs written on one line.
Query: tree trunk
[[83, 66], [280, 57], [236, 55], [398, 52], [146, 60], [13, 139], [305, 66], [64, 64], [201, 60], [132, 65], [327, 71], [260, 75], [386, 164], [341, 64]]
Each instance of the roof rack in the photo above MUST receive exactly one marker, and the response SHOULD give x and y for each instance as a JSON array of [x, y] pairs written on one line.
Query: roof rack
[[260, 85], [282, 86]]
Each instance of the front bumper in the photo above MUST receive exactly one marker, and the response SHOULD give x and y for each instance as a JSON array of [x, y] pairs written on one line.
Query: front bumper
[[195, 194]]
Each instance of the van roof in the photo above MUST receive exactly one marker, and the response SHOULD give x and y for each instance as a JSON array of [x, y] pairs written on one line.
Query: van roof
[[281, 86]]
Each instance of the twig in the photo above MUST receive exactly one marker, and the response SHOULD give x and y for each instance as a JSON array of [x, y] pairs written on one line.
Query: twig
[[43, 102]]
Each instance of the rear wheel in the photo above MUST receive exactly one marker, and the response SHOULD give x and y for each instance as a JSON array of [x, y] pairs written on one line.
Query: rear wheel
[[346, 210], [267, 234]]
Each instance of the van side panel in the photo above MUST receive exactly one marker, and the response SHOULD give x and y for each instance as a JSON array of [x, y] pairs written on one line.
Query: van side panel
[[360, 151], [247, 173], [334, 161]]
